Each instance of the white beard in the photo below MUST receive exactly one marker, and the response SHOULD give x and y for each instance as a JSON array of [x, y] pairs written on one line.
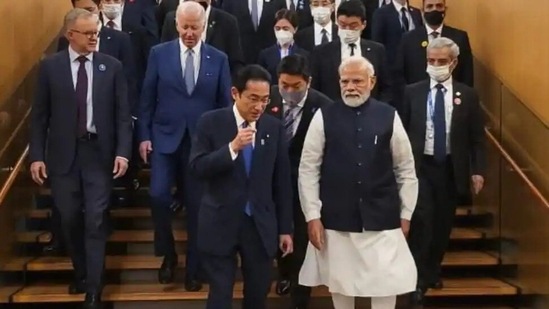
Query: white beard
[[355, 101]]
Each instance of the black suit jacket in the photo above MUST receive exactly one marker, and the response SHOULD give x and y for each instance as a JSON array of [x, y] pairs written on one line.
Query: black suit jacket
[[116, 44], [387, 29], [305, 38], [162, 10], [467, 137], [269, 58], [371, 7], [222, 34], [228, 188], [412, 56], [303, 10], [325, 61], [254, 41], [315, 100], [54, 122]]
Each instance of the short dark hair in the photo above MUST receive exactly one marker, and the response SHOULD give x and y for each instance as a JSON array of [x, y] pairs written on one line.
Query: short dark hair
[[290, 16], [294, 65], [252, 72], [352, 8], [97, 2]]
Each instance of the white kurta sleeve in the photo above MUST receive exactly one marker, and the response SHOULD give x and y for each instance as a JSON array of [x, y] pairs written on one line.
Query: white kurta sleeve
[[404, 169], [309, 168]]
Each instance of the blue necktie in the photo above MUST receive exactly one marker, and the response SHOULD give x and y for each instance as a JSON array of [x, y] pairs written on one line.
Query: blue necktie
[[189, 71], [247, 154], [439, 122]]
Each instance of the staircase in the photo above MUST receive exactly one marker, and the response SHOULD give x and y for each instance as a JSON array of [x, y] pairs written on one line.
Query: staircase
[[470, 268]]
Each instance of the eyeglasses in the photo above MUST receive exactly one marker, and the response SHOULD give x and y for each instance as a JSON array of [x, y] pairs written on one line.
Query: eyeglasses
[[88, 34], [258, 101]]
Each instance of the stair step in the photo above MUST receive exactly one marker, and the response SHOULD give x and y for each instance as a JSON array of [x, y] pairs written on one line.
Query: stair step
[[145, 212], [6, 292], [147, 262], [181, 235], [43, 293]]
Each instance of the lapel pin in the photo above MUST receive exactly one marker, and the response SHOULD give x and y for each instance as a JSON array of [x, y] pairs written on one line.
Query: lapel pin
[[108, 38], [207, 56], [262, 142], [102, 68], [458, 94], [274, 109], [368, 49], [457, 101], [267, 136], [424, 44]]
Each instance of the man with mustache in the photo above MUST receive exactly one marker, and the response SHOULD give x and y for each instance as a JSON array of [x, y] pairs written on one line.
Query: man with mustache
[[359, 214]]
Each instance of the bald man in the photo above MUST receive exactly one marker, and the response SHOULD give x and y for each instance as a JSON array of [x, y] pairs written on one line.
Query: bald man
[[185, 78], [359, 215]]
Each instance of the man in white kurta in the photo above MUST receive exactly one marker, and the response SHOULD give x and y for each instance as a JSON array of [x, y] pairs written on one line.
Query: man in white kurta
[[372, 263]]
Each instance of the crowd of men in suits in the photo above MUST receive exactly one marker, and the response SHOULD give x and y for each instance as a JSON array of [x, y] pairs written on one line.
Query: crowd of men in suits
[[335, 135]]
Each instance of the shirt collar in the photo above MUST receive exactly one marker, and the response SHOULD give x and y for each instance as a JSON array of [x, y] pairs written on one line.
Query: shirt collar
[[196, 48], [431, 30], [399, 7], [208, 11], [447, 83], [240, 120], [73, 55], [328, 27]]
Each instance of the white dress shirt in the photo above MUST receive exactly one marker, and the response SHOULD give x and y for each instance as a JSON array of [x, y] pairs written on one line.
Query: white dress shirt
[[205, 33], [75, 65], [259, 9], [318, 32], [184, 52], [431, 30], [239, 124], [448, 109], [346, 50], [298, 111], [311, 162], [399, 7]]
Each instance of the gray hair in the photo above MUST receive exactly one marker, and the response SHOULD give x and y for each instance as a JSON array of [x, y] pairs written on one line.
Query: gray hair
[[360, 62], [442, 42], [75, 14], [191, 7]]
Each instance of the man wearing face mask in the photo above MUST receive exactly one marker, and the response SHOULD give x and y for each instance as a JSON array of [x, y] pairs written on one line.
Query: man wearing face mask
[[221, 32], [410, 62], [444, 121], [285, 28], [358, 190], [294, 103], [326, 58], [322, 31]]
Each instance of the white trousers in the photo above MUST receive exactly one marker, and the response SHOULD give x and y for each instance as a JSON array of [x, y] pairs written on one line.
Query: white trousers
[[348, 302]]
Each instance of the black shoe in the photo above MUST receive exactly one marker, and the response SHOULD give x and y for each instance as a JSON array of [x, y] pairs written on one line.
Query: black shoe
[[438, 285], [283, 286], [77, 287], [192, 285], [176, 207], [93, 301], [54, 247], [135, 184], [167, 270], [417, 297]]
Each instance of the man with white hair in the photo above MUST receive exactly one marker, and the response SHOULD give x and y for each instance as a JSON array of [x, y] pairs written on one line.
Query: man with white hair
[[358, 191], [185, 78], [444, 121]]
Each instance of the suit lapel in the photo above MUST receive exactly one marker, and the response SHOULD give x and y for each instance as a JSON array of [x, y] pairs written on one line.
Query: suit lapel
[[65, 69], [98, 69], [258, 147], [204, 60], [276, 108], [211, 26], [105, 45], [421, 106], [335, 36], [456, 104], [336, 59], [395, 16], [309, 109], [177, 67]]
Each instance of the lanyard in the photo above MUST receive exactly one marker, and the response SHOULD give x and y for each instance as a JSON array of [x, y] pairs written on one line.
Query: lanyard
[[431, 105]]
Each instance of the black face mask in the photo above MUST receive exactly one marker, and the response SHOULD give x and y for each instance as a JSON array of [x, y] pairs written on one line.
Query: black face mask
[[204, 4], [434, 18]]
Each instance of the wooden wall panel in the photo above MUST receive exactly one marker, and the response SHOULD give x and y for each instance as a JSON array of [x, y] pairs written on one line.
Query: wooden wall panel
[[508, 36], [28, 27]]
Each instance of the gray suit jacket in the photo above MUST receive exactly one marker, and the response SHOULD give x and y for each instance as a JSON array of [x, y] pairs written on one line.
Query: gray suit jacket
[[54, 122]]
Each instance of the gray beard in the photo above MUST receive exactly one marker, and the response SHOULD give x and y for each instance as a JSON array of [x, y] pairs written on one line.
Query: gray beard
[[355, 101]]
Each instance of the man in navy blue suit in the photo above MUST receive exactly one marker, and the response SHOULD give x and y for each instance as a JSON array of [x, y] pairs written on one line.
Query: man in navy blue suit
[[185, 78], [242, 157]]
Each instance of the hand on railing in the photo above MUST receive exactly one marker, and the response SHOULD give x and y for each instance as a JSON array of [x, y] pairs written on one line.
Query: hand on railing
[[38, 172], [478, 183]]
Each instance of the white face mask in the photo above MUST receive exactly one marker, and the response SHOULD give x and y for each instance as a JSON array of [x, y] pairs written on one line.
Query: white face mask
[[321, 15], [112, 11], [349, 36], [284, 37], [440, 73], [355, 101]]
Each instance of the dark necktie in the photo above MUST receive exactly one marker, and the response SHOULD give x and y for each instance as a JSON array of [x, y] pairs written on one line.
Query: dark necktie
[[439, 122], [82, 96], [110, 24], [292, 5], [352, 46], [324, 38], [405, 21], [247, 155], [435, 34]]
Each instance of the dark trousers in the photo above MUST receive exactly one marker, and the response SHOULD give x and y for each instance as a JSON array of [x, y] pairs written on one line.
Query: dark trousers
[[289, 266], [164, 170], [433, 218], [256, 270], [88, 185]]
